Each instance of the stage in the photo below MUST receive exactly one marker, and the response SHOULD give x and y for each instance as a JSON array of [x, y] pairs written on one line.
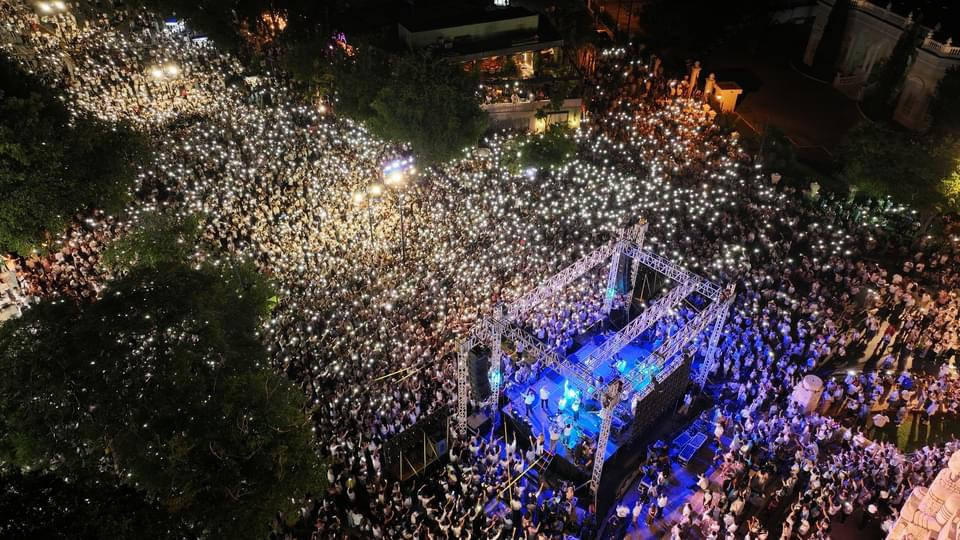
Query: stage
[[611, 386], [565, 398]]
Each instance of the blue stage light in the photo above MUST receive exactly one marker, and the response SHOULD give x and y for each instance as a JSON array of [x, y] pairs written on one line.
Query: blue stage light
[[495, 377]]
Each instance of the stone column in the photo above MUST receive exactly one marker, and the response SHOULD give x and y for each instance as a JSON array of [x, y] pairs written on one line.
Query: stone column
[[807, 393], [822, 14], [708, 87], [694, 77]]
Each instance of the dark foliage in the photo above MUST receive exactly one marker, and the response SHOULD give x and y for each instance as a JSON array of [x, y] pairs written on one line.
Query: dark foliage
[[164, 385], [52, 166]]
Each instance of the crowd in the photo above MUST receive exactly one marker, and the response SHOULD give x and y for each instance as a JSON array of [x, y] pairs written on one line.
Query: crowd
[[558, 320], [118, 66], [817, 291], [302, 195]]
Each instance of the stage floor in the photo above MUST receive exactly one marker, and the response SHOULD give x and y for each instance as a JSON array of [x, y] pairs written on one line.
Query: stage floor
[[588, 422]]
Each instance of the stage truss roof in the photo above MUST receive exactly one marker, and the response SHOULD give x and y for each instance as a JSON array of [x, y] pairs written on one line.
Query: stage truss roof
[[503, 324]]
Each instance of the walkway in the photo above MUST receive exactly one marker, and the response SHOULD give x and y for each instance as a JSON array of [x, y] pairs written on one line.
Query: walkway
[[813, 115]]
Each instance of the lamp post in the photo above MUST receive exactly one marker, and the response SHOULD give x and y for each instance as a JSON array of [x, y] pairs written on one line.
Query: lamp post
[[375, 191], [53, 9], [168, 71], [396, 177], [403, 232], [358, 198]]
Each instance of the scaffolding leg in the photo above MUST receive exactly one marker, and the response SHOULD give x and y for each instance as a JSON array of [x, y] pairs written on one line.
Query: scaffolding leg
[[711, 357], [496, 356], [463, 388], [637, 234], [634, 270], [611, 291], [610, 401]]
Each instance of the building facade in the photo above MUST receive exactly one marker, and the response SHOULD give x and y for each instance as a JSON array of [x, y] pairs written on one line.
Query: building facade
[[869, 37], [516, 53]]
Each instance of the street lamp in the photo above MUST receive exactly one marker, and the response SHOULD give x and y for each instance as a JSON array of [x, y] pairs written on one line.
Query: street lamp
[[375, 191], [57, 6], [165, 71], [398, 181], [395, 174]]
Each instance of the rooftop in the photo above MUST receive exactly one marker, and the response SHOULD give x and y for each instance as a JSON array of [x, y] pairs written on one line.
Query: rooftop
[[942, 13], [457, 17]]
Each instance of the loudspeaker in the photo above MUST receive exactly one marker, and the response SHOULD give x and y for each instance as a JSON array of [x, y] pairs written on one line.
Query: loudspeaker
[[478, 423], [441, 447], [477, 368]]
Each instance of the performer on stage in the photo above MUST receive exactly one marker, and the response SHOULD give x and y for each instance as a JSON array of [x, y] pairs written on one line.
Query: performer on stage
[[528, 398], [544, 398]]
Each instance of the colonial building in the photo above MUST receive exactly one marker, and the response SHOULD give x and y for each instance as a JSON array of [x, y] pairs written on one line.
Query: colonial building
[[495, 38], [871, 32], [516, 52]]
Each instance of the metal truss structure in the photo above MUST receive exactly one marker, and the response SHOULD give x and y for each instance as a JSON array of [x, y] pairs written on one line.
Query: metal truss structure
[[630, 238], [502, 325], [558, 282], [641, 324], [672, 271], [611, 398], [715, 313]]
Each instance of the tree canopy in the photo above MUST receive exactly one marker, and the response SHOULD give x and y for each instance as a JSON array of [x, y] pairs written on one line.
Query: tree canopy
[[574, 22], [553, 147], [40, 504], [831, 41], [908, 167], [53, 166], [886, 80], [945, 107], [155, 240], [777, 152], [430, 104], [164, 385]]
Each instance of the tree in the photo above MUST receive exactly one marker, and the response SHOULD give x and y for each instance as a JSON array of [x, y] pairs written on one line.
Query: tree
[[950, 187], [831, 41], [778, 153], [560, 90], [945, 107], [886, 81], [430, 104], [907, 167], [40, 504], [155, 240], [553, 147], [310, 62], [351, 79], [358, 80], [164, 385], [52, 166], [573, 21]]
